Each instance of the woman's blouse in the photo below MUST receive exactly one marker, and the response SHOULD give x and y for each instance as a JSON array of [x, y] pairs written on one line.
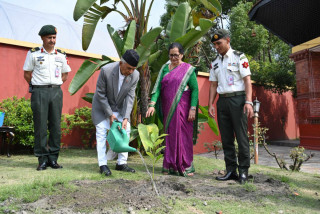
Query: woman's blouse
[[192, 84]]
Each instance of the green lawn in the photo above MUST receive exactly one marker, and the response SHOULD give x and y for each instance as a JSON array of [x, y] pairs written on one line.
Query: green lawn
[[20, 180]]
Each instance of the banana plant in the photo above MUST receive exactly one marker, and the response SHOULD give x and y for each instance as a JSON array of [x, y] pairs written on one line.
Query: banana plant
[[93, 12], [185, 33], [152, 50], [205, 118], [90, 66], [151, 141]]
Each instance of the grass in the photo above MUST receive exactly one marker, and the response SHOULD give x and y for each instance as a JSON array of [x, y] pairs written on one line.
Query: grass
[[20, 180]]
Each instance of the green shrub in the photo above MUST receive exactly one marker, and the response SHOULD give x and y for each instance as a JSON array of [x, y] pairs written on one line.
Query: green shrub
[[18, 113], [80, 119]]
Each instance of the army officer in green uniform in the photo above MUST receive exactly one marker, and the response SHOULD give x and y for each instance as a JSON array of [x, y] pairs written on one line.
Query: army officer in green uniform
[[230, 78], [46, 69]]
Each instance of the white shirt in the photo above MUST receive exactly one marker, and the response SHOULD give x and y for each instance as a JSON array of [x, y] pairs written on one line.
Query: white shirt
[[121, 78], [230, 71], [46, 67]]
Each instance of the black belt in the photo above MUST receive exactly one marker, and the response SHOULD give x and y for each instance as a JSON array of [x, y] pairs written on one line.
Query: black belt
[[237, 93], [46, 86]]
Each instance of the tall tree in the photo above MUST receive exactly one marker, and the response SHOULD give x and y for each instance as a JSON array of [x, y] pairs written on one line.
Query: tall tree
[[269, 56]]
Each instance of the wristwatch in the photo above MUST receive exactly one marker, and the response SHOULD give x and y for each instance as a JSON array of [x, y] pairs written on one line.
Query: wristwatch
[[193, 108], [248, 102]]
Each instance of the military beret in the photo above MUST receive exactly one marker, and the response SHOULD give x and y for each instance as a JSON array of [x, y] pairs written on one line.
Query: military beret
[[48, 30], [131, 57], [219, 34]]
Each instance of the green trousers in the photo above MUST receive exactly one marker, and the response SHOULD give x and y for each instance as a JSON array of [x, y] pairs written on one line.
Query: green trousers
[[233, 123], [46, 104]]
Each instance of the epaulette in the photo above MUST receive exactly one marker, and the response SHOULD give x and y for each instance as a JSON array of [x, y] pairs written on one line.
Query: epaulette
[[237, 53], [60, 51], [34, 49]]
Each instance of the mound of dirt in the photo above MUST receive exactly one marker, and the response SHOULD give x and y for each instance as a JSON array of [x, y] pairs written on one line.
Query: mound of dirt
[[117, 196]]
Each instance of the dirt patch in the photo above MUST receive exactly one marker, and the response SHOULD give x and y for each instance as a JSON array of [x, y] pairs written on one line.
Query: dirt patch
[[119, 196]]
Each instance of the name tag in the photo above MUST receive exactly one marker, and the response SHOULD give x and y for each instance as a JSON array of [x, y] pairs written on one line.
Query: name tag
[[230, 80]]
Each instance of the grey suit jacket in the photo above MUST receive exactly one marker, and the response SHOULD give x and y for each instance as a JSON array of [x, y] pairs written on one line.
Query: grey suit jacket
[[107, 99]]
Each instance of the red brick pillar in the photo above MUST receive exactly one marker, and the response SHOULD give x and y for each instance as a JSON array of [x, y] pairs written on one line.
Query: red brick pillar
[[308, 97]]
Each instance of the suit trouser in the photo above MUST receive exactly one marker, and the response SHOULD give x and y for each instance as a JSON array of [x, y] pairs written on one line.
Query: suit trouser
[[46, 104], [233, 122], [101, 136]]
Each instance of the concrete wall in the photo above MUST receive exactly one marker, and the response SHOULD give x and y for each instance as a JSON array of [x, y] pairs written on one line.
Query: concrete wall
[[278, 112]]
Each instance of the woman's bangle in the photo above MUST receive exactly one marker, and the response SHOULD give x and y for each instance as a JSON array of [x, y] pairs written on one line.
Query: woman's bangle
[[151, 105], [193, 108]]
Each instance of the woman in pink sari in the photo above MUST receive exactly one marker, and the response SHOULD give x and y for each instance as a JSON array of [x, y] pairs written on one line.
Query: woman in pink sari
[[176, 91]]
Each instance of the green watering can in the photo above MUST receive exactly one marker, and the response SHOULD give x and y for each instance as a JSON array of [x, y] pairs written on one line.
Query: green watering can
[[118, 139]]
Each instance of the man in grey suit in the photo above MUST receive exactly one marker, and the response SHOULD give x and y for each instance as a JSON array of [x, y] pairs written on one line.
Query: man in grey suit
[[113, 100]]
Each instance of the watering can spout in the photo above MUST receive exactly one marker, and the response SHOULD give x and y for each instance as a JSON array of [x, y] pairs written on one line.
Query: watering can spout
[[118, 139]]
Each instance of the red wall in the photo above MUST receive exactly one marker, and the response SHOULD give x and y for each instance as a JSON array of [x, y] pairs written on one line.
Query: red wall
[[278, 112], [308, 97]]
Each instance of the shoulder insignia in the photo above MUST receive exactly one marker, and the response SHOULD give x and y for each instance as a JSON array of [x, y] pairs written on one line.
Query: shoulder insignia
[[243, 57], [237, 53], [60, 51], [34, 49]]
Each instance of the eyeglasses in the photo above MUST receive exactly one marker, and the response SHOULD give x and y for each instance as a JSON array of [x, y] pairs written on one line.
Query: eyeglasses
[[174, 55]]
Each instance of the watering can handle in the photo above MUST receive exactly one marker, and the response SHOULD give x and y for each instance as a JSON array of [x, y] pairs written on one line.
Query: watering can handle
[[120, 129]]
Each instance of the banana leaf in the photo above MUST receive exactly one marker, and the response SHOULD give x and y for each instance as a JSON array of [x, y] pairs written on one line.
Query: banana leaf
[[88, 97], [117, 41], [86, 70], [211, 122], [212, 5], [91, 18], [146, 42], [128, 39], [180, 21], [148, 135], [202, 118], [195, 34], [82, 6]]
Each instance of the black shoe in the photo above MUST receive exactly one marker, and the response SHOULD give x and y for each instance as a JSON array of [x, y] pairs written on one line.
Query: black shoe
[[229, 176], [54, 165], [243, 177], [125, 168], [104, 169], [42, 166]]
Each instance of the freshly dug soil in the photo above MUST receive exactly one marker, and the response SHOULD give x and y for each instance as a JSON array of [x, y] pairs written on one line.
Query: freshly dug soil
[[126, 196]]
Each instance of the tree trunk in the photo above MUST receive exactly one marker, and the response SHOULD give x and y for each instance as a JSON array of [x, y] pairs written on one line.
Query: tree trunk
[[145, 88]]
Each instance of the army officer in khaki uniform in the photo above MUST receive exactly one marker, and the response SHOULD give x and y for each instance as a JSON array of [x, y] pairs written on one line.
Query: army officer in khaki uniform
[[230, 78], [46, 69]]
